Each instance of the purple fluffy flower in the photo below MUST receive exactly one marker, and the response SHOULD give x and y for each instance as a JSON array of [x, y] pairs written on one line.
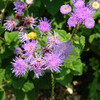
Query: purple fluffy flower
[[64, 50], [89, 23], [19, 67], [18, 51], [65, 9], [53, 41], [53, 62], [72, 21], [30, 21], [79, 3], [29, 47], [38, 65], [10, 24], [44, 26], [20, 6]]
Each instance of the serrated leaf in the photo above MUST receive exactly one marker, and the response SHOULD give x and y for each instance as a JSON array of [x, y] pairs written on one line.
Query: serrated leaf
[[28, 86], [11, 36]]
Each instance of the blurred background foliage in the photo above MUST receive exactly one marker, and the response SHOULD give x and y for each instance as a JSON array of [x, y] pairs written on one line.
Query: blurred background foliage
[[84, 62]]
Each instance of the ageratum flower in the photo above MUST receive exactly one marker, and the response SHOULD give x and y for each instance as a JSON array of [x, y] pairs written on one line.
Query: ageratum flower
[[72, 21], [29, 2], [19, 67], [53, 41], [89, 23], [38, 65], [29, 47], [44, 26], [10, 24], [65, 9], [64, 50], [53, 62], [83, 13], [79, 3], [20, 6], [95, 4], [30, 21]]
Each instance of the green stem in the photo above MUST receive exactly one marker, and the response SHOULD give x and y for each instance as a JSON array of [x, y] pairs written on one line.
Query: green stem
[[3, 13], [52, 92], [74, 31], [27, 9]]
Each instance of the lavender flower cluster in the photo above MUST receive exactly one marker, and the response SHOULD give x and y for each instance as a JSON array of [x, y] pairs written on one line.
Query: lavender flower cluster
[[80, 14], [51, 58], [30, 56]]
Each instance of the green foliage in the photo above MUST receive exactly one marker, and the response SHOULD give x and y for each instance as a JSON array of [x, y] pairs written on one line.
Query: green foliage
[[28, 87]]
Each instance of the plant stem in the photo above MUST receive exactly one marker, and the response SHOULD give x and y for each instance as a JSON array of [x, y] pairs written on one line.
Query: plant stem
[[52, 82], [27, 9], [74, 31], [3, 13]]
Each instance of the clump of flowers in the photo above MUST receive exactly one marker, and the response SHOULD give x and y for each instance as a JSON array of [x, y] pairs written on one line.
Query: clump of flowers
[[81, 14], [51, 58]]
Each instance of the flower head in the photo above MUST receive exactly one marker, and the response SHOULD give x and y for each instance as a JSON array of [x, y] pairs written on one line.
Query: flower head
[[38, 65], [89, 23], [53, 41], [79, 3], [20, 6], [30, 21], [29, 47], [72, 21], [53, 62], [64, 50], [29, 2], [44, 26], [32, 35], [10, 24], [19, 67], [65, 9]]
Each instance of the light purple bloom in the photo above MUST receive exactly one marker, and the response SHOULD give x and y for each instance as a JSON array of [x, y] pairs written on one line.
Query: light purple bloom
[[64, 50], [20, 6], [44, 26], [89, 23], [29, 2], [65, 9], [29, 47], [53, 62], [79, 3], [10, 24], [53, 41], [83, 13], [18, 51], [72, 21], [30, 21], [38, 65], [19, 67]]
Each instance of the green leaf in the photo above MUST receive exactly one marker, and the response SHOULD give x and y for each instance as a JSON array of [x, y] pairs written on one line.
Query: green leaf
[[2, 72], [2, 94], [11, 36], [18, 83], [28, 86], [65, 80]]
